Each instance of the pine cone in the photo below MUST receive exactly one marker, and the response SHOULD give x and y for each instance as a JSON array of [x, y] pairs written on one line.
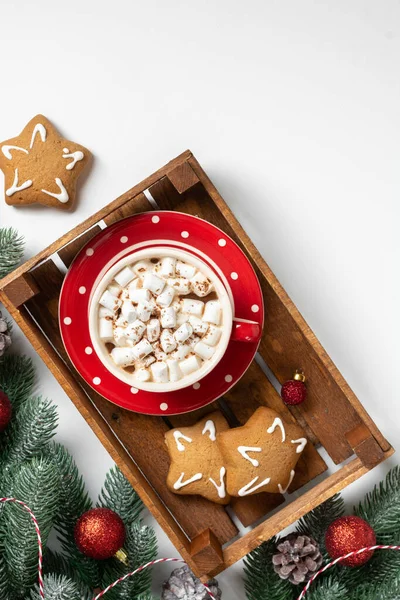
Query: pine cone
[[5, 339], [183, 585], [298, 559]]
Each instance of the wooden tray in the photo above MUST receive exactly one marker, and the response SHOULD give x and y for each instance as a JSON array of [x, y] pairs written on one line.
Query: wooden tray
[[205, 534]]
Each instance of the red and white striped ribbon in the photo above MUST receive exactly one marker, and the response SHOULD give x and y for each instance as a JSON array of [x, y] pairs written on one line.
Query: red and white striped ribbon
[[334, 562]]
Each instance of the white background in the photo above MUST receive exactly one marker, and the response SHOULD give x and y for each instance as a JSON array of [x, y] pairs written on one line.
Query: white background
[[292, 107]]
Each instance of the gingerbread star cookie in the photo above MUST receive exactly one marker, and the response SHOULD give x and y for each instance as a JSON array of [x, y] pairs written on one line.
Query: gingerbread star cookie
[[196, 462], [41, 167], [261, 456]]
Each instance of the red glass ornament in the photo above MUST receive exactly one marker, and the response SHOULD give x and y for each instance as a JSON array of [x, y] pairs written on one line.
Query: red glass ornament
[[5, 410], [347, 534], [99, 533], [294, 391]]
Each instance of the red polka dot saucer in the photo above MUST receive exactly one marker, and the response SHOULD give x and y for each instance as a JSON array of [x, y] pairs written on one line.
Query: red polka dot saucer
[[147, 230]]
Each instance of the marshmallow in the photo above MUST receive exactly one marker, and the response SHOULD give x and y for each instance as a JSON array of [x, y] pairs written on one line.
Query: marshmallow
[[124, 295], [153, 283], [189, 365], [205, 352], [136, 284], [159, 352], [125, 276], [142, 374], [135, 331], [181, 318], [108, 300], [139, 295], [185, 270], [123, 357], [153, 330], [212, 336], [167, 341], [115, 289], [142, 349], [198, 325], [181, 352], [168, 317], [174, 371], [121, 322], [159, 371], [128, 311], [105, 312], [212, 312], [180, 285], [106, 329], [120, 336], [200, 285], [148, 360], [144, 310], [193, 307], [192, 341], [166, 297], [183, 332], [142, 267], [167, 267]]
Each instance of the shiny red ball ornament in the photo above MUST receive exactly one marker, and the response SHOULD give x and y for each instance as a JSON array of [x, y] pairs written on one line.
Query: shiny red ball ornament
[[347, 534], [294, 391], [99, 533], [5, 410]]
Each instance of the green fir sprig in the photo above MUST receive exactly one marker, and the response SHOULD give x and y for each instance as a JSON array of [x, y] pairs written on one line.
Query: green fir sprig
[[11, 250]]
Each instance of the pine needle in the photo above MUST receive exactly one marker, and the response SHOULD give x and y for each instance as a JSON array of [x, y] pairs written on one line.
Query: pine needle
[[11, 250]]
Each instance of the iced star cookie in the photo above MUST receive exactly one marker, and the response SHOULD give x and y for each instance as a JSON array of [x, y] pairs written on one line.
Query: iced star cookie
[[41, 167], [261, 456], [196, 462]]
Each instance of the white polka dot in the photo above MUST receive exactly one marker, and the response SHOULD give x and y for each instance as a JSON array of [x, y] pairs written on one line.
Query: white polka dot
[[185, 234], [89, 251], [196, 386], [97, 381], [228, 378], [234, 275], [222, 242], [124, 239], [155, 219], [88, 350], [134, 390], [164, 406], [67, 320], [82, 289], [255, 308]]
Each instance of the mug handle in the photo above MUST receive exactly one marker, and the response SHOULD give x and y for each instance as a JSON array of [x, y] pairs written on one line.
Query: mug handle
[[245, 331]]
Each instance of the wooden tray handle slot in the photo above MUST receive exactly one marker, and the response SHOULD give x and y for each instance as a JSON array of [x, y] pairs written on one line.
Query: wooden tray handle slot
[[206, 552], [365, 446], [183, 177], [21, 289]]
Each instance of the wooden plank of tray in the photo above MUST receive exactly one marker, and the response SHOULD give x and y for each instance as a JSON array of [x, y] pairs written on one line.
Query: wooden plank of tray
[[141, 435], [286, 333]]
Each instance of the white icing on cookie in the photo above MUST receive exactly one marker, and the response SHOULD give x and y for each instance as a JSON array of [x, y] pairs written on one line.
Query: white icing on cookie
[[243, 450], [6, 150], [180, 483], [210, 427], [40, 129], [18, 188], [62, 196], [76, 157], [302, 444], [283, 491], [221, 486], [248, 489], [178, 435], [277, 423]]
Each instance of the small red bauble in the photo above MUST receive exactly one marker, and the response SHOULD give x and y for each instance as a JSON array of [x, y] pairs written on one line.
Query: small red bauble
[[294, 391], [5, 411], [347, 534], [99, 533]]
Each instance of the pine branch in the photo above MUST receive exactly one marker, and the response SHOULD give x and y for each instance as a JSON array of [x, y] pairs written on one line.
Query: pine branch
[[55, 563], [381, 507], [327, 589], [60, 587], [118, 494], [37, 484], [17, 376], [388, 590], [74, 501], [11, 250], [261, 581], [4, 586], [316, 522]]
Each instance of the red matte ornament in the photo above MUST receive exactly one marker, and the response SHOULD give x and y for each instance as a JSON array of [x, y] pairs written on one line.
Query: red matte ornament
[[348, 534], [294, 391], [5, 410], [99, 533]]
